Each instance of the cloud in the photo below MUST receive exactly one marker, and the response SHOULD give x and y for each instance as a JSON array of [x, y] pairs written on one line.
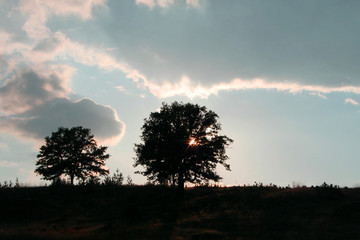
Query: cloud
[[120, 88], [4, 66], [186, 87], [6, 164], [48, 49], [4, 146], [152, 3], [40, 10], [194, 3], [9, 46], [28, 88], [35, 103], [295, 44], [190, 53], [58, 46], [149, 3], [167, 3], [40, 121], [351, 101], [318, 94], [4, 37]]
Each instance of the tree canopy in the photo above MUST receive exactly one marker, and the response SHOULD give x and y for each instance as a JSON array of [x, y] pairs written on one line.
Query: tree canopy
[[181, 143], [71, 152]]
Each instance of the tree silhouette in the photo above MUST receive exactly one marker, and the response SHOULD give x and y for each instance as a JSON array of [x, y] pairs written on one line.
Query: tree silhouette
[[181, 144], [72, 152]]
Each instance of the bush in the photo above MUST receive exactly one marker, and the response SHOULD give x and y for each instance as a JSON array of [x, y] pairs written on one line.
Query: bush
[[116, 179]]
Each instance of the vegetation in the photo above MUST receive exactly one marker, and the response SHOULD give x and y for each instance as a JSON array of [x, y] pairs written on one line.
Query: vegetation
[[72, 152], [181, 143], [154, 212]]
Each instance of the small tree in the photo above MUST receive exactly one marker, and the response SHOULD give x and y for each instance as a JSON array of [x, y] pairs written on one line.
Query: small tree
[[181, 144], [72, 152], [116, 179]]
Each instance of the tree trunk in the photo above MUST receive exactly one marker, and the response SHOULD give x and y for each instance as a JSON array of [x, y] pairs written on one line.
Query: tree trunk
[[72, 180], [181, 183], [173, 183]]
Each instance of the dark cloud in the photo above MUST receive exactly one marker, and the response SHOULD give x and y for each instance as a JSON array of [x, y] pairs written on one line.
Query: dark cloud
[[27, 89], [40, 121], [308, 42], [3, 64], [36, 105]]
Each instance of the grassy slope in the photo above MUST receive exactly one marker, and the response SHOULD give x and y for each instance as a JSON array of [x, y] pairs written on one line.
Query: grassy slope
[[145, 212]]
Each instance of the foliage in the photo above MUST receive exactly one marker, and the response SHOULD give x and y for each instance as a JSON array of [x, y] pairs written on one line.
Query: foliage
[[155, 212], [72, 152], [17, 183], [6, 184], [129, 180], [181, 143], [116, 179]]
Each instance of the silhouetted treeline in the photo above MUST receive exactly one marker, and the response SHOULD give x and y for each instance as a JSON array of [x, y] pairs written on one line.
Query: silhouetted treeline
[[155, 212]]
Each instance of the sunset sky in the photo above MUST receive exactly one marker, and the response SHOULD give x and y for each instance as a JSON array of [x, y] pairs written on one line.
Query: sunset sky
[[283, 76]]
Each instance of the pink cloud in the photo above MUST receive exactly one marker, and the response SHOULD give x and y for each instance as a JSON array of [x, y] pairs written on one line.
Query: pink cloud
[[40, 10]]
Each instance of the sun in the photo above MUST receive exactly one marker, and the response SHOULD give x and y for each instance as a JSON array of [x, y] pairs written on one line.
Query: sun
[[192, 142]]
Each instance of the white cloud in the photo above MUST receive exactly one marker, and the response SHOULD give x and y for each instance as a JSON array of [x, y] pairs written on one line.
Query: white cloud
[[351, 101], [6, 164], [167, 3], [4, 37], [59, 46], [318, 94], [186, 87], [149, 3], [120, 88], [9, 46], [193, 3], [153, 3]]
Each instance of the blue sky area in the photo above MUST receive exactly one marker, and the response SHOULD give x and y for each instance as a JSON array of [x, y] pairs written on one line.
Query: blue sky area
[[283, 76]]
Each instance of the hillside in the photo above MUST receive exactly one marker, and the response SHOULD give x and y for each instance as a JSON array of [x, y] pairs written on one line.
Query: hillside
[[151, 212]]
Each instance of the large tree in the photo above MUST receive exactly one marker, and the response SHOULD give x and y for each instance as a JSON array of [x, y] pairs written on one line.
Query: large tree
[[71, 152], [181, 143]]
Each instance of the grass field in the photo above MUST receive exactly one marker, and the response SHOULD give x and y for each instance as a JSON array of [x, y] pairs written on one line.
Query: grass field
[[154, 212]]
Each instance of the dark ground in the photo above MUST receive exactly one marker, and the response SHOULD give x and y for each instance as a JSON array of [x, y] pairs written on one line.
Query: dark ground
[[151, 212]]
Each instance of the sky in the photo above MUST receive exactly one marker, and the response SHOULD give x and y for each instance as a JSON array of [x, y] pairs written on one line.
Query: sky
[[283, 77]]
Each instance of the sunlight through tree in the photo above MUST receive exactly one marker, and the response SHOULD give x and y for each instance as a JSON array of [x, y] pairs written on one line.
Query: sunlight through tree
[[181, 143]]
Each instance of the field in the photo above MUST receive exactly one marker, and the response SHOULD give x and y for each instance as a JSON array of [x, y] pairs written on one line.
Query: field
[[154, 212]]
